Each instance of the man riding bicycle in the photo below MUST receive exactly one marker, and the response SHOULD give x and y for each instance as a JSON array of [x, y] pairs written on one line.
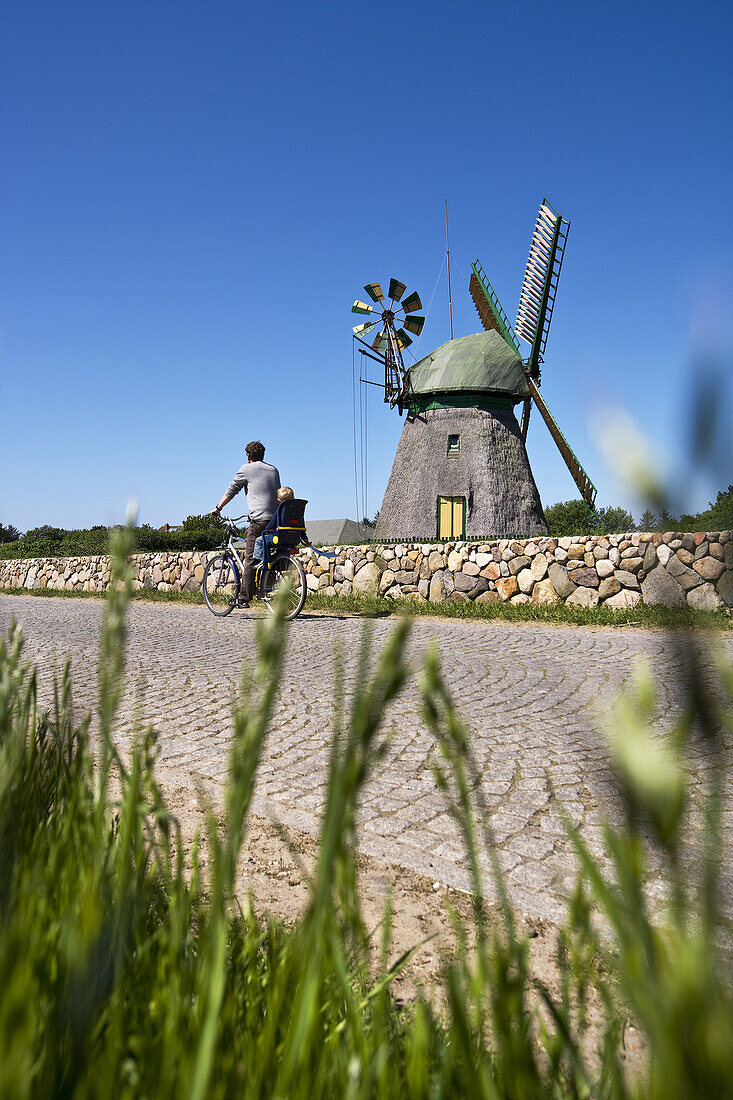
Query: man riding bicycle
[[260, 482]]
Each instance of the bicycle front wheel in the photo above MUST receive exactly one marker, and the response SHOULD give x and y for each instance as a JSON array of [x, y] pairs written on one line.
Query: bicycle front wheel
[[221, 584], [287, 570]]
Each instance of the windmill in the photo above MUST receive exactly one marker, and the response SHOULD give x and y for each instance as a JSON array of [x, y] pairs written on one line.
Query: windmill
[[461, 467], [390, 340]]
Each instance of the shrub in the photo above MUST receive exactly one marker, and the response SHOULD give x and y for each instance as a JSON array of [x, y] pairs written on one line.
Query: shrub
[[54, 542], [576, 517]]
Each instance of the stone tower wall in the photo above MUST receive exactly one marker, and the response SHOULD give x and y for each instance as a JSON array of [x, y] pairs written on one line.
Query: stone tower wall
[[491, 471]]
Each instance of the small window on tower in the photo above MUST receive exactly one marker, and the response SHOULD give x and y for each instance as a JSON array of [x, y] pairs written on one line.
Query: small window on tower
[[454, 444]]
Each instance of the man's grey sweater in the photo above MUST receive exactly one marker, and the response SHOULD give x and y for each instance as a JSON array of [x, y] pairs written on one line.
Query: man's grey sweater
[[260, 482]]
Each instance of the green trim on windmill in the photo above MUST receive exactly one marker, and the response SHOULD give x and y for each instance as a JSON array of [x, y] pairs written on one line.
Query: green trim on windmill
[[487, 402]]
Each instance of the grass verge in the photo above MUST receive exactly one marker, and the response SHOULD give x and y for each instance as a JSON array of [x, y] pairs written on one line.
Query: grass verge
[[654, 617], [666, 618]]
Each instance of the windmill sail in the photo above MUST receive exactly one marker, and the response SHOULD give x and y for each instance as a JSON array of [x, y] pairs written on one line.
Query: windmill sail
[[537, 300], [493, 317], [488, 305], [585, 485]]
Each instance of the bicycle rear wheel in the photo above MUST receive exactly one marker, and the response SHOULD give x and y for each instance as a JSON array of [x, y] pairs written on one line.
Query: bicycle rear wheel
[[221, 584], [286, 569]]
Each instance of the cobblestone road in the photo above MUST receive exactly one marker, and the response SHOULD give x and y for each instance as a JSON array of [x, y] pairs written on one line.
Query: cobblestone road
[[530, 694]]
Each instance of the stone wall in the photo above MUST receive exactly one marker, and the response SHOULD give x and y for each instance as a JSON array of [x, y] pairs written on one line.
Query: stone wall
[[615, 571], [179, 571]]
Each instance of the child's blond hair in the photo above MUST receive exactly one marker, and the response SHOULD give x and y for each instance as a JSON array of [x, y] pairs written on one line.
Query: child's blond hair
[[285, 493]]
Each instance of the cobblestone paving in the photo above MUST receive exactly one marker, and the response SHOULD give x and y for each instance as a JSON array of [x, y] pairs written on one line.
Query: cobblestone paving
[[530, 694]]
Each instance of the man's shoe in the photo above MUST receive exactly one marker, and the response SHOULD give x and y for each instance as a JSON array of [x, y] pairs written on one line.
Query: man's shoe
[[242, 603]]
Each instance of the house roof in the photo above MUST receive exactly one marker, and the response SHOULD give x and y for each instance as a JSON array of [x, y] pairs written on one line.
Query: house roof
[[481, 363], [328, 532]]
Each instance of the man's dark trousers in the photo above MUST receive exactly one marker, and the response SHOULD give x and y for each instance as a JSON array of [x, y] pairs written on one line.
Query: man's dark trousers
[[255, 528]]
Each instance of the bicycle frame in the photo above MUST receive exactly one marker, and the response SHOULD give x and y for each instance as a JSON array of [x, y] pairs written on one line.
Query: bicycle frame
[[229, 543], [239, 563], [224, 572]]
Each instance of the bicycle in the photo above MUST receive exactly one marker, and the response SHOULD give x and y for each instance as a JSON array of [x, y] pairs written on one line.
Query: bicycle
[[223, 573]]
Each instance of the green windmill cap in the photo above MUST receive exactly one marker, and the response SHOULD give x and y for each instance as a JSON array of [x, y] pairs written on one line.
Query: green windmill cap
[[481, 363]]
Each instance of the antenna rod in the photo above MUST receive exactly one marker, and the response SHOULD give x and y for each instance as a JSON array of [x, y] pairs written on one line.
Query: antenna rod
[[447, 253]]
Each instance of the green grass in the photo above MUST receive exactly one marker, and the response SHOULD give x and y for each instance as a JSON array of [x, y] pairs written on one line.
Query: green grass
[[147, 595], [667, 618], [126, 971], [652, 617]]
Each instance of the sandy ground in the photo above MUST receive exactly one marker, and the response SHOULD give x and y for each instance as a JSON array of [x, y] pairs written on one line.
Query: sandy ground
[[276, 859]]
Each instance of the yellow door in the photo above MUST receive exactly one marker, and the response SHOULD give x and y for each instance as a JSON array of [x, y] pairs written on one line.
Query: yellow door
[[445, 517], [458, 506], [451, 517]]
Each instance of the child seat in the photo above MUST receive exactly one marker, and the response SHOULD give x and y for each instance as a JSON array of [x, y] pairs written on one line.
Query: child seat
[[290, 530]]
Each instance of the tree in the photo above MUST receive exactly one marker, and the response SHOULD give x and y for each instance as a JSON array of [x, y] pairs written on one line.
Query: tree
[[576, 517], [648, 521], [721, 513], [717, 517], [46, 533], [570, 517], [9, 533], [207, 522], [667, 521], [614, 520]]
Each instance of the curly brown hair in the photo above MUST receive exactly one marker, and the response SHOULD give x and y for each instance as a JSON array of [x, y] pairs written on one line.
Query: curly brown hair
[[255, 451]]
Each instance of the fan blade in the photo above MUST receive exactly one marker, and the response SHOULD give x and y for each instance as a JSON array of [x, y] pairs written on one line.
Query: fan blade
[[374, 291], [412, 302], [365, 329], [361, 307], [377, 341], [396, 289], [403, 340], [414, 324]]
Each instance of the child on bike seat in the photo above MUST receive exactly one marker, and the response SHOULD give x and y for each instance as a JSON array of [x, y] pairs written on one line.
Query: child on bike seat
[[285, 493]]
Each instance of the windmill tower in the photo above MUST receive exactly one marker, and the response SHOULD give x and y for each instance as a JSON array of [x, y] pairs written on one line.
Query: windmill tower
[[461, 469]]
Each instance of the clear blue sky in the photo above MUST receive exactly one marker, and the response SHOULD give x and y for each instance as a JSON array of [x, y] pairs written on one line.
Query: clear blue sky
[[192, 195]]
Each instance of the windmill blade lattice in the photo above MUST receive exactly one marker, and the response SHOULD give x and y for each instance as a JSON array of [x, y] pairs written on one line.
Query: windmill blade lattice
[[537, 299]]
